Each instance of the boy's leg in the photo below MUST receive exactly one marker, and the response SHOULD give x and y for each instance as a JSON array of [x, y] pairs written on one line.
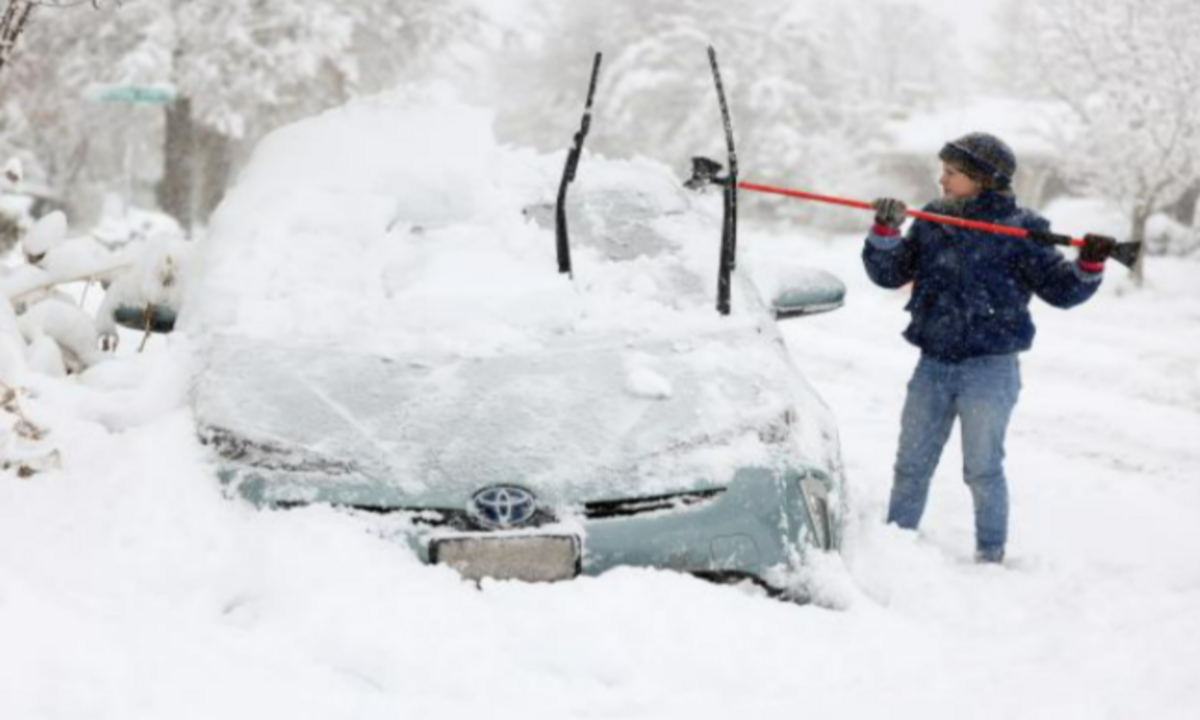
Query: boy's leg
[[990, 389], [924, 428]]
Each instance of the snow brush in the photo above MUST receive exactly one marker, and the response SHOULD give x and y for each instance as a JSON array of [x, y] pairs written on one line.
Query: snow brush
[[707, 172]]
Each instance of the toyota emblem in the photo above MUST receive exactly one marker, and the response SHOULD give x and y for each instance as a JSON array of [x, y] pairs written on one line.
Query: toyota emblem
[[500, 507]]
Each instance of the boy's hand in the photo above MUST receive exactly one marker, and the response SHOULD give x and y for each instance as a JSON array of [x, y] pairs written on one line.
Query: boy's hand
[[1096, 249], [890, 213]]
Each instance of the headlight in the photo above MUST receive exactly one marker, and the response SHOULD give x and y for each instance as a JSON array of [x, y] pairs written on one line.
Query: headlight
[[816, 502]]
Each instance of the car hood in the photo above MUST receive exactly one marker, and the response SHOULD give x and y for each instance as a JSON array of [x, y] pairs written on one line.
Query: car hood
[[574, 420]]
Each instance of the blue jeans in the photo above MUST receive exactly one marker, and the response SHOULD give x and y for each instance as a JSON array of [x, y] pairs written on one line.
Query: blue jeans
[[981, 393]]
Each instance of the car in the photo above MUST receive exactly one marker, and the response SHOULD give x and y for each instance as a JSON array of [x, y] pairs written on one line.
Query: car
[[380, 326]]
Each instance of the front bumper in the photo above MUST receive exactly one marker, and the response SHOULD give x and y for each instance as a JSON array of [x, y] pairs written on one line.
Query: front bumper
[[759, 524]]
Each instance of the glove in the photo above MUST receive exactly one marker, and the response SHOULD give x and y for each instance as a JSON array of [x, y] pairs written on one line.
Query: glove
[[1096, 249], [890, 212]]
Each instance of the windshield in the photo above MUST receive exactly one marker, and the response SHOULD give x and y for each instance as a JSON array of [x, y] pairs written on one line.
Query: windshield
[[362, 249]]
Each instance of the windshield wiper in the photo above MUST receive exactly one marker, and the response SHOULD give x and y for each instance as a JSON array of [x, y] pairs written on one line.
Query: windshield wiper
[[729, 224], [560, 209]]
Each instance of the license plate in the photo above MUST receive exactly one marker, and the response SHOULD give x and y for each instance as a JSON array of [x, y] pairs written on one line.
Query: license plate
[[534, 558]]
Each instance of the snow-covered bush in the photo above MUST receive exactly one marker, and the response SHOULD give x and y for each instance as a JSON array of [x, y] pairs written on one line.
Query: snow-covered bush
[[46, 330], [42, 328], [1167, 236], [154, 280]]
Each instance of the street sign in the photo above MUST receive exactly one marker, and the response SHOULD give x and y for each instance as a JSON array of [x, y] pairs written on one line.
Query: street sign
[[133, 94]]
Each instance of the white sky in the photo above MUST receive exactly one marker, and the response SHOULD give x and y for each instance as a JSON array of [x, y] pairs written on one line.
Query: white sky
[[974, 24]]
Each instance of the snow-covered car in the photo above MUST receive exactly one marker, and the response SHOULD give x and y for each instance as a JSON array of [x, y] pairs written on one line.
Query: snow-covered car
[[381, 326]]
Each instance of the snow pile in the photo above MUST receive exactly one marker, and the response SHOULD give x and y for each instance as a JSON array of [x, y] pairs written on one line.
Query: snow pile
[[338, 228], [131, 588]]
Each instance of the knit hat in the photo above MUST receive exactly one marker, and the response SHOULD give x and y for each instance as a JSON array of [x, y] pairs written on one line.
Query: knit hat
[[983, 157]]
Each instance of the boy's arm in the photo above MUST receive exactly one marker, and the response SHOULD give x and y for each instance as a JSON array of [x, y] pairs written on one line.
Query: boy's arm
[[1061, 282]]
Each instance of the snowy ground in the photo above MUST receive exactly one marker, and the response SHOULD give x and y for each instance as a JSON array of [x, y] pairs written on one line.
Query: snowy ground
[[130, 588], [1094, 615]]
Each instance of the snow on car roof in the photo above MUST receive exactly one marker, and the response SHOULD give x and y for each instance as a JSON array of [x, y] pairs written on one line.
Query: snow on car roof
[[399, 226]]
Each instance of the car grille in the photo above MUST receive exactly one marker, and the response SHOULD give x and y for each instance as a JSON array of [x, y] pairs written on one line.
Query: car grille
[[458, 519], [639, 506]]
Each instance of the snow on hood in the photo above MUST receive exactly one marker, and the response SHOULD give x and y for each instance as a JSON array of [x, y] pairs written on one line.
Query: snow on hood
[[584, 422]]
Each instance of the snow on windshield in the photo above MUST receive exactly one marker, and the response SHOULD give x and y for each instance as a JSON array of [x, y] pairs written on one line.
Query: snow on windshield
[[402, 227]]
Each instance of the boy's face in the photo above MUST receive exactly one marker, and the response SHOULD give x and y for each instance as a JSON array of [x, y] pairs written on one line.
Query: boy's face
[[956, 185]]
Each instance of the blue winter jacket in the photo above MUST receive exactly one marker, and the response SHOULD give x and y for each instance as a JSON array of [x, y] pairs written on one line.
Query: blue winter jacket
[[971, 289]]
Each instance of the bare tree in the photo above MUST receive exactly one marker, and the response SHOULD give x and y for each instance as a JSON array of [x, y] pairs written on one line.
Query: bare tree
[[12, 24], [16, 17], [235, 69], [1130, 70]]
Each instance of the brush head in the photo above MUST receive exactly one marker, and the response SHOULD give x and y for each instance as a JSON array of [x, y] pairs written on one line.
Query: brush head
[[1127, 253], [705, 172]]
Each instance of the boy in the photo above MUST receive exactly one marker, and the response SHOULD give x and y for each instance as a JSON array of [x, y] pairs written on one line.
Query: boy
[[970, 318]]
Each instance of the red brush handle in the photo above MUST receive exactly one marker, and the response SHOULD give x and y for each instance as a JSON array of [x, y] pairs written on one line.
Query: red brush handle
[[931, 217]]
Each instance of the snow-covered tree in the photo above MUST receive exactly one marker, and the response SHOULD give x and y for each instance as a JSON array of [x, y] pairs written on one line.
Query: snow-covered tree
[[12, 24], [810, 82], [26, 108], [238, 69], [1130, 69], [16, 16]]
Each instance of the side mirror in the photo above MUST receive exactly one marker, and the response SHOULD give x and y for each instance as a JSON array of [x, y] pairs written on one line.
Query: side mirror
[[807, 291]]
